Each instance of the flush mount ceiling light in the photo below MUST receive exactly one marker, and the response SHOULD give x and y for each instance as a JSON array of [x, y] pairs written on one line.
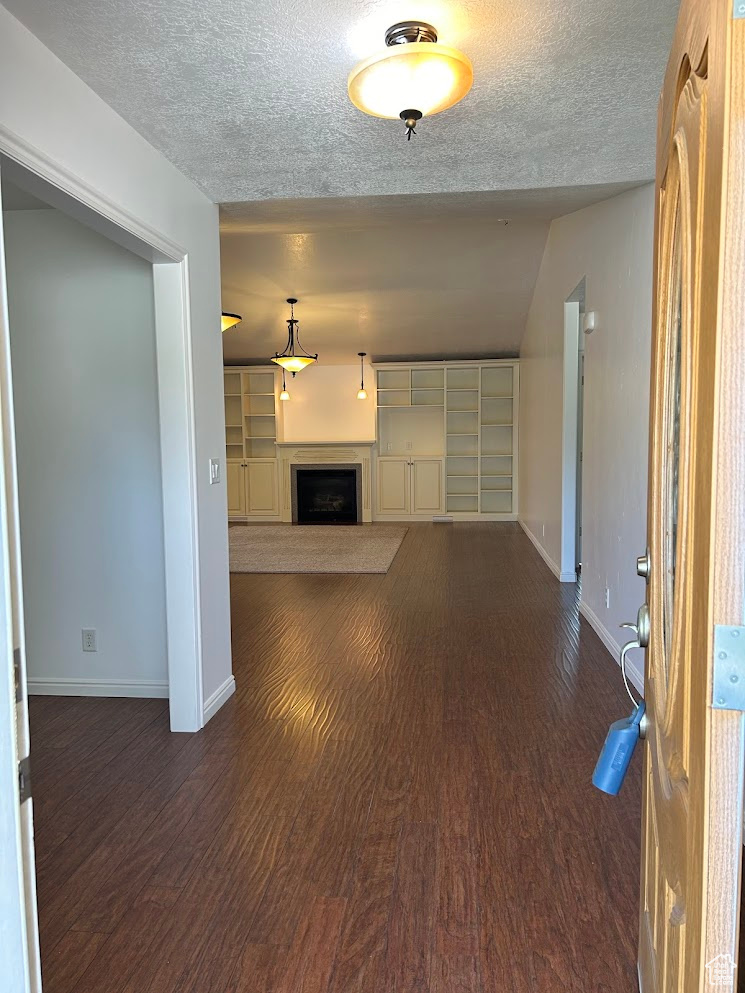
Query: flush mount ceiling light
[[230, 320], [412, 78], [362, 392], [294, 357]]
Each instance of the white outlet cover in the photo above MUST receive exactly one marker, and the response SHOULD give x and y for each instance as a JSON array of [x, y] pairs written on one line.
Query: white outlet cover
[[214, 471]]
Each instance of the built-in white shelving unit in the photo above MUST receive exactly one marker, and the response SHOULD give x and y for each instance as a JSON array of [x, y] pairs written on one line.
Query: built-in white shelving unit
[[251, 433], [465, 415]]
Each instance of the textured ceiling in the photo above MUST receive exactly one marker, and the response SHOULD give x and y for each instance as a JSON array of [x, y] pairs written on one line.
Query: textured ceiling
[[397, 277], [249, 99]]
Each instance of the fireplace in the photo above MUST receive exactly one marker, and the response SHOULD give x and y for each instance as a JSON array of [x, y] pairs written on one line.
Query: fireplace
[[326, 494]]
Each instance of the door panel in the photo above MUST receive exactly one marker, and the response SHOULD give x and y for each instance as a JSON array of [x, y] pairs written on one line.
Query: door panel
[[19, 936], [692, 785], [261, 487], [236, 486], [426, 486], [393, 486]]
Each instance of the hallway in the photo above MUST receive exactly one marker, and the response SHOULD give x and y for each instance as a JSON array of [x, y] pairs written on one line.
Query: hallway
[[397, 799]]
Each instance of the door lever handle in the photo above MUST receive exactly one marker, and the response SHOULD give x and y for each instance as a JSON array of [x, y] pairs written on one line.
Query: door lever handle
[[634, 643], [623, 735], [641, 628]]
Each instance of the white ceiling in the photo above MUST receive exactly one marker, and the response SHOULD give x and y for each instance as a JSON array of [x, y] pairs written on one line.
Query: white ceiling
[[397, 277], [249, 98]]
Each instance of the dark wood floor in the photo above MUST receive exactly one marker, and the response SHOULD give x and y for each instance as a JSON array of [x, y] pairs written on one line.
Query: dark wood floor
[[397, 799]]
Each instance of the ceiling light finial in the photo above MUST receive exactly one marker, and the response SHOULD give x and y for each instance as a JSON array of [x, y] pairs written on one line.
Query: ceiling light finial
[[410, 118]]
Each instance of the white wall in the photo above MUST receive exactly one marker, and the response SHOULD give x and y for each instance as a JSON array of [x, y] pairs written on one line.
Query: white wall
[[323, 405], [610, 244], [48, 107], [88, 454]]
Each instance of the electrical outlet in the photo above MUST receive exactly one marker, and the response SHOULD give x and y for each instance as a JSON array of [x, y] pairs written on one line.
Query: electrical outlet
[[607, 597], [89, 640], [408, 446], [389, 446]]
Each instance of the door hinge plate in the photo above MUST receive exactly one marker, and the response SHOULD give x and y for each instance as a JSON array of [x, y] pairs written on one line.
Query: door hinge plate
[[17, 673], [728, 683], [24, 779], [738, 9]]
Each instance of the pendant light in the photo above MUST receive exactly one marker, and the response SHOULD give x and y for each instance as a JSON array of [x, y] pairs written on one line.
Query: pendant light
[[362, 392], [230, 320], [294, 357], [284, 395], [412, 77]]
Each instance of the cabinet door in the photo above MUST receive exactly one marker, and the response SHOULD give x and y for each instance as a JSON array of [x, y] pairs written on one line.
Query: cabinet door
[[393, 486], [261, 487], [426, 486], [236, 489]]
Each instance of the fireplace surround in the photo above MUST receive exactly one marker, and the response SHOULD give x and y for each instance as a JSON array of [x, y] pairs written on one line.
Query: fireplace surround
[[357, 455]]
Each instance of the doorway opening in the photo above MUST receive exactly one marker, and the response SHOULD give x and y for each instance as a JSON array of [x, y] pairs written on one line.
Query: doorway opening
[[79, 424], [572, 435], [170, 440]]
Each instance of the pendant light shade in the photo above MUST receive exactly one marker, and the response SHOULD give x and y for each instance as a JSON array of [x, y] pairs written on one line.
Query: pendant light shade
[[362, 392], [294, 357], [413, 77], [284, 395], [230, 320]]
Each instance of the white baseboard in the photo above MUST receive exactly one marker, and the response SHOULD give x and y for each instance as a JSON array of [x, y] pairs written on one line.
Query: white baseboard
[[458, 518], [635, 673], [213, 703], [544, 554], [149, 688]]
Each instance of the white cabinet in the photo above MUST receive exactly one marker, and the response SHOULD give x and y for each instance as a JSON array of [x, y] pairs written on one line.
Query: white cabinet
[[394, 479], [236, 486], [410, 486], [253, 489], [426, 486], [262, 494]]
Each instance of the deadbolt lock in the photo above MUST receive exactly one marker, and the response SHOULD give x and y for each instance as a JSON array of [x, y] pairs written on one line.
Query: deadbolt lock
[[644, 565]]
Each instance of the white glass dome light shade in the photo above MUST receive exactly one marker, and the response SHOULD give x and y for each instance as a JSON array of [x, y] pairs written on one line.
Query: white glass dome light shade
[[418, 76]]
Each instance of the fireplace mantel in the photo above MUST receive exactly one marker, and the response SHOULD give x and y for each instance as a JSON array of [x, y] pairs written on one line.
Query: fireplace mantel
[[318, 452]]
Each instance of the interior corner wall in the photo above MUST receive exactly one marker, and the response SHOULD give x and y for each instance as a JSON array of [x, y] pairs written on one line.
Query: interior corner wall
[[85, 393], [323, 405], [611, 245], [49, 108]]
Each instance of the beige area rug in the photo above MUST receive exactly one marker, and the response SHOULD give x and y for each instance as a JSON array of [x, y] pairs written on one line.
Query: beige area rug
[[314, 547]]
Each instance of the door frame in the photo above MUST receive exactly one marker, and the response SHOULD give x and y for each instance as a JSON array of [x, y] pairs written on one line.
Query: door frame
[[569, 446], [26, 166]]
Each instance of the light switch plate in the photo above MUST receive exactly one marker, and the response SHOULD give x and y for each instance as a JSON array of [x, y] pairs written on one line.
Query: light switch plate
[[214, 471]]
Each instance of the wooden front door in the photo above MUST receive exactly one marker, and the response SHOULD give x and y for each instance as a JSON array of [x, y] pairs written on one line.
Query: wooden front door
[[692, 808]]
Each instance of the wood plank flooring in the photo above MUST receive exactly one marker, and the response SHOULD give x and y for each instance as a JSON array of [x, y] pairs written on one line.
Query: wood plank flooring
[[397, 799]]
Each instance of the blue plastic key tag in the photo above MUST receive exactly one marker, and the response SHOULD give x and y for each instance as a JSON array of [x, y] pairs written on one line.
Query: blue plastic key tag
[[617, 751]]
